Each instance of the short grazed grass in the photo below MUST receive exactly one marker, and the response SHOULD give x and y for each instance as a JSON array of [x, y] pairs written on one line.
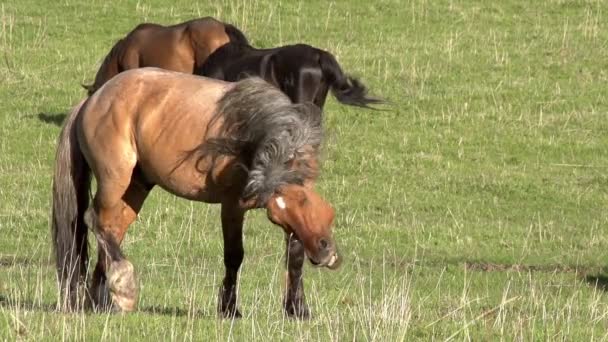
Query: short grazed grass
[[473, 208]]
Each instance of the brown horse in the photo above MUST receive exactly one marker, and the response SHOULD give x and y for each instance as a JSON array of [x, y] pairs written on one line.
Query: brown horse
[[244, 145], [183, 47]]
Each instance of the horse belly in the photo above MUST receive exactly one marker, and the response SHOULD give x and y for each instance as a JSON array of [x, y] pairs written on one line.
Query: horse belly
[[184, 181], [193, 193]]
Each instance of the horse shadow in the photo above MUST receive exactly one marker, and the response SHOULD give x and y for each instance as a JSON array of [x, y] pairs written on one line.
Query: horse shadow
[[11, 301], [175, 311], [7, 302], [52, 118], [599, 281]]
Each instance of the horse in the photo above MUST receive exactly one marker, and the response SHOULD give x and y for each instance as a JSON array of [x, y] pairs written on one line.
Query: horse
[[301, 71], [182, 47], [243, 145]]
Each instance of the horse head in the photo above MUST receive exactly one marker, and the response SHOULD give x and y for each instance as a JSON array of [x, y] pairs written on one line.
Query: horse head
[[301, 211]]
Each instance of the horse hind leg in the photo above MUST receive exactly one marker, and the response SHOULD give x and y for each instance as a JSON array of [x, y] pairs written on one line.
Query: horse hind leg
[[114, 284], [310, 87], [99, 295]]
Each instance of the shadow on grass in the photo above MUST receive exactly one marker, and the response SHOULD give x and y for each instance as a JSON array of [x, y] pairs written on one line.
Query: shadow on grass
[[600, 281], [12, 261], [9, 303], [176, 311], [52, 118]]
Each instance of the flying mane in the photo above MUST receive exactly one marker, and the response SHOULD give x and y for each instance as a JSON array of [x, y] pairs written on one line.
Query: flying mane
[[273, 137]]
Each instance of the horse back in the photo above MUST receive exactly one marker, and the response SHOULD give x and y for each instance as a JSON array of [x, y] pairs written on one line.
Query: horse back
[[291, 59], [234, 61], [159, 93], [180, 47], [160, 106], [124, 55], [295, 69], [165, 47]]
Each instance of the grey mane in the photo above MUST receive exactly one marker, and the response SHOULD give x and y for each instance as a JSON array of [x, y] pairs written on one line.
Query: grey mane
[[269, 134]]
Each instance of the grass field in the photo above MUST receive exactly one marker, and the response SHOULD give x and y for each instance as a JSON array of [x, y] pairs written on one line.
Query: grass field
[[475, 208]]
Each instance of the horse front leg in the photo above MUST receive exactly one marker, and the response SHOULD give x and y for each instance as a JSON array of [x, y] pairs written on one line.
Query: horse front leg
[[294, 302], [232, 229]]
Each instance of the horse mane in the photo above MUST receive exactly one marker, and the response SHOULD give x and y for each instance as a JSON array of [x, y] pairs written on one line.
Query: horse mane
[[276, 141]]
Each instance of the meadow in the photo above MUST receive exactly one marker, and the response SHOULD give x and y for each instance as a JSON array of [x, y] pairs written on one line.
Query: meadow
[[473, 208]]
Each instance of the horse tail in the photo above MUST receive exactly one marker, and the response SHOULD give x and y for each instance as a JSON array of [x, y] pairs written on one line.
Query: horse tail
[[88, 87], [71, 184], [108, 69], [235, 35], [347, 89]]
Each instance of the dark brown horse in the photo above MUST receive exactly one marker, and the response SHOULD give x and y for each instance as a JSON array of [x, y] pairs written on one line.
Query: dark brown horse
[[243, 145], [182, 47], [301, 71]]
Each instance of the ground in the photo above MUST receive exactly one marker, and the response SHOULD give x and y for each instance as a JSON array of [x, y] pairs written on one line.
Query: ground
[[473, 207]]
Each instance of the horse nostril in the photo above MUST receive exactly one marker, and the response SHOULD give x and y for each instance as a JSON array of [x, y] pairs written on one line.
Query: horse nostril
[[323, 244]]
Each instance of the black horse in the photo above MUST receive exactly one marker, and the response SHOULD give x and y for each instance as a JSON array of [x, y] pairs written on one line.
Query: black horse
[[301, 71]]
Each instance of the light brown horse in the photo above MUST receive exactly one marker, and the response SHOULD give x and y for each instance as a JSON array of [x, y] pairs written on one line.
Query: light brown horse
[[244, 145], [183, 47]]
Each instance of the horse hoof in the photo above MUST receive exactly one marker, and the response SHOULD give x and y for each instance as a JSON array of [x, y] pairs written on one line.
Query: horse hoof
[[99, 299], [123, 286], [231, 314], [297, 311]]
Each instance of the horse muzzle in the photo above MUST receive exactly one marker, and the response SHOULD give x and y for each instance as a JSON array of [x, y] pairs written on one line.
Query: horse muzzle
[[327, 255]]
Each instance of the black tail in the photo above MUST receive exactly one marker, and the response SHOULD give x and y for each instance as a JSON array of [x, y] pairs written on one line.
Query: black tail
[[235, 35], [71, 184], [89, 88], [347, 89]]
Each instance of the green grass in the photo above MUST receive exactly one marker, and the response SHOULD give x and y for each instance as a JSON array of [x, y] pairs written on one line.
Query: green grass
[[474, 208]]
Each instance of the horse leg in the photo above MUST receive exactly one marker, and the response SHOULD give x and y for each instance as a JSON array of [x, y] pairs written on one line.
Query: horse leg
[[232, 229], [294, 302], [321, 95], [308, 84], [98, 290], [113, 282]]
